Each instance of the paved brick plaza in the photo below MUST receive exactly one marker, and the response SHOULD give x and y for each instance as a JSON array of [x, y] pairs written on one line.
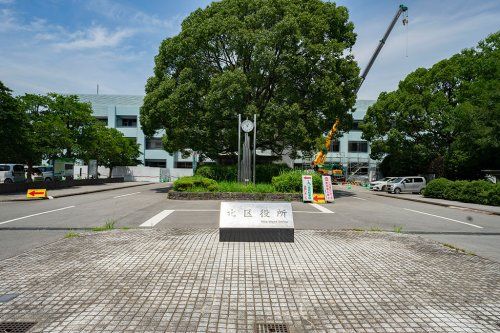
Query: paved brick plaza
[[186, 281]]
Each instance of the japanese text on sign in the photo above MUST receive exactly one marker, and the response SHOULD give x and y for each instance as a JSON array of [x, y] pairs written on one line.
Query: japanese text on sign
[[256, 215]]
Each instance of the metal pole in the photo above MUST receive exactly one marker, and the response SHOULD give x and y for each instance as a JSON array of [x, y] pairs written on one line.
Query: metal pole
[[254, 144], [239, 146]]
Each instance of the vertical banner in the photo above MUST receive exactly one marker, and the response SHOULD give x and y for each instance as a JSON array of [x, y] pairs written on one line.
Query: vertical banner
[[328, 189], [307, 188]]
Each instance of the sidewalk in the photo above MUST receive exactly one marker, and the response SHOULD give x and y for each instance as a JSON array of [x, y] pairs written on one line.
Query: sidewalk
[[187, 281], [76, 190]]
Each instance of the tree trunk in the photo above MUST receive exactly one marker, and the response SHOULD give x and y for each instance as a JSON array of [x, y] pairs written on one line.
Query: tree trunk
[[29, 178], [110, 172]]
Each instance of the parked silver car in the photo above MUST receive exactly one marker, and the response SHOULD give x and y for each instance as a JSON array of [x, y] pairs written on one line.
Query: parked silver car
[[12, 173], [406, 184]]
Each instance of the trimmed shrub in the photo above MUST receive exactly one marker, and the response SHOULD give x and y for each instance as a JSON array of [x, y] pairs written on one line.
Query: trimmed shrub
[[291, 182], [263, 172], [218, 172], [195, 183], [478, 191], [436, 188]]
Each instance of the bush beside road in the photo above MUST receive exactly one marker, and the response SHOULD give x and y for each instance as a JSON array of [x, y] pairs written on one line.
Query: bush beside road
[[478, 191]]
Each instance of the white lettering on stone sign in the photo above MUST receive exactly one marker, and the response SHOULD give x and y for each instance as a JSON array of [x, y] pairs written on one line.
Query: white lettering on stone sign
[[256, 215], [307, 188], [328, 189]]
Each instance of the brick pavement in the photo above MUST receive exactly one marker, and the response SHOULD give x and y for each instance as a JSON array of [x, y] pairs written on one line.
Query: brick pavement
[[186, 281]]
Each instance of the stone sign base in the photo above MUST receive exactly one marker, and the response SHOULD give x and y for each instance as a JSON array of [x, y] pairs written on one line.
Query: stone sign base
[[256, 222], [256, 235]]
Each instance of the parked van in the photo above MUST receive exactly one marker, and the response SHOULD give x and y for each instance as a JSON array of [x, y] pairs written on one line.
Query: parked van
[[406, 184], [12, 173]]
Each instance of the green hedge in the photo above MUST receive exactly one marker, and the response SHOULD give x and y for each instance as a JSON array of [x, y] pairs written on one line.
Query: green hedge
[[291, 182], [263, 172], [184, 184], [477, 191]]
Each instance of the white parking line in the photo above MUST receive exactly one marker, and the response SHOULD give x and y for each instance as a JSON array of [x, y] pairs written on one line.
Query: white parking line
[[157, 218], [25, 217], [359, 198], [445, 218], [124, 195], [321, 208]]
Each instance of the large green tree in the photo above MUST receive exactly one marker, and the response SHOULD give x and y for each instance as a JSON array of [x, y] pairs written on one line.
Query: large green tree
[[287, 61], [13, 127], [110, 147], [443, 120]]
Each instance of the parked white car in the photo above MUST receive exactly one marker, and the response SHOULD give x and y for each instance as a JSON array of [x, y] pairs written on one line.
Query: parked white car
[[381, 184], [12, 173], [43, 173]]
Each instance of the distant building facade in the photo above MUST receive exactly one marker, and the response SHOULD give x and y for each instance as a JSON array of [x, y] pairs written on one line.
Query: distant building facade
[[122, 112]]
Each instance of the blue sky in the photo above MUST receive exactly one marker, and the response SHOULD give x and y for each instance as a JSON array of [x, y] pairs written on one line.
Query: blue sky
[[70, 46]]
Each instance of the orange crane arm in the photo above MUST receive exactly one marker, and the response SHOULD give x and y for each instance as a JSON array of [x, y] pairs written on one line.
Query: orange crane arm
[[321, 155]]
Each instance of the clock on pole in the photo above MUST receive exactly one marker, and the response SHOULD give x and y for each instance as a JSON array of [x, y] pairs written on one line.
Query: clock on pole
[[247, 126]]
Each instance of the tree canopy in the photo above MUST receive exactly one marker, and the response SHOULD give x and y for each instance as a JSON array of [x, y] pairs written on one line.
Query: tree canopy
[[443, 120], [45, 127], [12, 125], [110, 147], [287, 61]]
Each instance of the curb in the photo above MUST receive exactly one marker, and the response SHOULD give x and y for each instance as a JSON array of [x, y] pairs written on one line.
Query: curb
[[175, 195], [78, 193], [489, 212]]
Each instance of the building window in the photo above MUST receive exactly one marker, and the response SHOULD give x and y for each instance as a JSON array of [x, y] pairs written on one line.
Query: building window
[[154, 143], [127, 121], [183, 165], [355, 125], [358, 147], [103, 120], [156, 163], [334, 146], [132, 139]]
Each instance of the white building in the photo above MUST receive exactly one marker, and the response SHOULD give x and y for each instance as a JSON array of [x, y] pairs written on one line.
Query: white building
[[122, 112]]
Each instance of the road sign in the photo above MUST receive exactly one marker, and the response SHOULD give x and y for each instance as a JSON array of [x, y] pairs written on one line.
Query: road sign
[[36, 193], [307, 188], [319, 198], [328, 189]]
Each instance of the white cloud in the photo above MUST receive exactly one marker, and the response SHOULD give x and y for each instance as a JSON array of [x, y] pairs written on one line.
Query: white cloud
[[120, 12], [95, 37], [6, 2], [7, 20]]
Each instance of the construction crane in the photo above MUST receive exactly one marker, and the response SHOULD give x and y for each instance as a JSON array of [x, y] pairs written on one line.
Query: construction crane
[[318, 163]]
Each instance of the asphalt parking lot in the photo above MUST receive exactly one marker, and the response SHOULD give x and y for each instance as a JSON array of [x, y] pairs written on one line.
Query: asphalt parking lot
[[24, 225]]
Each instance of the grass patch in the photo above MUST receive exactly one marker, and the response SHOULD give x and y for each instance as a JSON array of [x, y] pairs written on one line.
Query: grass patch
[[398, 229], [125, 228], [375, 229], [250, 188], [71, 234], [453, 247], [358, 229], [110, 225]]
